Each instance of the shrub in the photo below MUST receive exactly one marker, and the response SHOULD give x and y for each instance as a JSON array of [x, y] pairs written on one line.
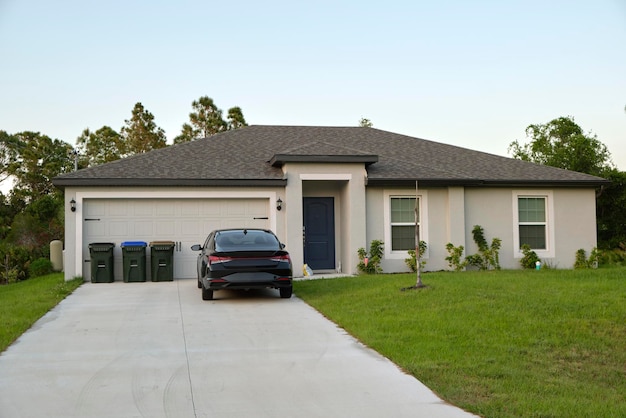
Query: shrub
[[455, 256], [489, 255], [582, 262], [370, 264], [40, 267], [14, 262], [529, 261], [412, 260]]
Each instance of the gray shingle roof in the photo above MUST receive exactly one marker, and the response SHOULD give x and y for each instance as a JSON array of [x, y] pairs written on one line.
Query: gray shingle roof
[[253, 156]]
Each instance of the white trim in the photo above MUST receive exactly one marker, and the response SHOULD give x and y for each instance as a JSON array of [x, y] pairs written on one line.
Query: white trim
[[322, 176], [163, 195], [423, 202], [550, 251]]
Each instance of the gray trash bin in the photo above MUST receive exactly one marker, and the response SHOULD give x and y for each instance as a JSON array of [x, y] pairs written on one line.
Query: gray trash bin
[[101, 257], [162, 261]]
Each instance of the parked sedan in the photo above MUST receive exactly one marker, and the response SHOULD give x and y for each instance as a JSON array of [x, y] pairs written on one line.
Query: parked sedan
[[243, 259]]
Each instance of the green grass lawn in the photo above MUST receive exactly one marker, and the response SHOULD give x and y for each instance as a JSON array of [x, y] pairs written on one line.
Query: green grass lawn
[[23, 303], [548, 343]]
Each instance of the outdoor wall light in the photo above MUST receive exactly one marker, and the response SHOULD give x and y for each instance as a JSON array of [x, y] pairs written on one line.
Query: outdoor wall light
[[73, 205], [279, 204]]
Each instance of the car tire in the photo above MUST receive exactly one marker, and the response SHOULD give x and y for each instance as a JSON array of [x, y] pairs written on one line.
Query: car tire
[[199, 284], [207, 294], [285, 292]]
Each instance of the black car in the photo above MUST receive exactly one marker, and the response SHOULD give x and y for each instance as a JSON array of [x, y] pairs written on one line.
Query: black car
[[243, 259]]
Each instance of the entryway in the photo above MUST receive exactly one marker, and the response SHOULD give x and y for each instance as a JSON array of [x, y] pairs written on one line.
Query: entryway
[[319, 232]]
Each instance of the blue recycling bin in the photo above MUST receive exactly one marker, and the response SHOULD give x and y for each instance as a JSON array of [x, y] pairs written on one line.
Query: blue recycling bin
[[134, 261]]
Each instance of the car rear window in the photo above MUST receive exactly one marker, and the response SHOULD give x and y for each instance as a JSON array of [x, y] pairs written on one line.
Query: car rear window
[[248, 241]]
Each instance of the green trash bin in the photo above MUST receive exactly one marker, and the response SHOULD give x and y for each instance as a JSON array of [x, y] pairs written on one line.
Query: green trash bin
[[101, 257], [134, 258], [162, 261]]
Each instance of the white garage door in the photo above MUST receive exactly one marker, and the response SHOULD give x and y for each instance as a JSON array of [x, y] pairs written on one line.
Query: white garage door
[[184, 221]]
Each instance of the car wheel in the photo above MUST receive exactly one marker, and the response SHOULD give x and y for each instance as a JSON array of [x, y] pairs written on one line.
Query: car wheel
[[199, 284], [285, 292], [207, 294]]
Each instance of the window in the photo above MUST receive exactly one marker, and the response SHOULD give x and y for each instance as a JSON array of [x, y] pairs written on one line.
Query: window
[[403, 223], [399, 218], [533, 223]]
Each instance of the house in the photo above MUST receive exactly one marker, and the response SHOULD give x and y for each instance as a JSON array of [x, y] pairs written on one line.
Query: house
[[326, 192]]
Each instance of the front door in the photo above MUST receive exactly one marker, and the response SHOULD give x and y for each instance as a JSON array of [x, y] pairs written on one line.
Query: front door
[[319, 232]]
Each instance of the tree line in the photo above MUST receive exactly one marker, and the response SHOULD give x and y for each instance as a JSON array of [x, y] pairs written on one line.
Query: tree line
[[32, 213]]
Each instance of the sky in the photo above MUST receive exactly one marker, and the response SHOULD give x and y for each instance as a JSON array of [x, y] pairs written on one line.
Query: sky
[[469, 73]]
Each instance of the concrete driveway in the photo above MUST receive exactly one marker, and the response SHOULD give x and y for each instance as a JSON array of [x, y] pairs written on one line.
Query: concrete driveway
[[157, 350]]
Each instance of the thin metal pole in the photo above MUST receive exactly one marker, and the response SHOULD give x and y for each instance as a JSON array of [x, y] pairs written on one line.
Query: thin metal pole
[[418, 283]]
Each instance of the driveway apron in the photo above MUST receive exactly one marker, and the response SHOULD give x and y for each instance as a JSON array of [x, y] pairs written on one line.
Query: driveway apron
[[157, 350]]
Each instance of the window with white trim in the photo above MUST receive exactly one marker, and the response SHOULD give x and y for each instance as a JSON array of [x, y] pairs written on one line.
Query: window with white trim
[[533, 222], [403, 223], [399, 221]]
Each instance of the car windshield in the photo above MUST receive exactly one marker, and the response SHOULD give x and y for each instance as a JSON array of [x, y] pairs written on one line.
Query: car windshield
[[246, 240]]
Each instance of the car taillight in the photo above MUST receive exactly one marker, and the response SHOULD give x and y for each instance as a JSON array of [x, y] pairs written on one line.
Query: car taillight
[[214, 259], [279, 258]]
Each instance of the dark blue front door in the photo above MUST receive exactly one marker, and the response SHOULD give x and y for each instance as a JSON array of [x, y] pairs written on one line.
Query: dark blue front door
[[319, 232]]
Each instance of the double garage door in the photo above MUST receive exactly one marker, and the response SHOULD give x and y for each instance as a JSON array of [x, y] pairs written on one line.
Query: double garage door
[[184, 221]]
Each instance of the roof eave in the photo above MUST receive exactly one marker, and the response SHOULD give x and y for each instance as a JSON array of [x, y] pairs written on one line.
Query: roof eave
[[151, 182], [404, 182]]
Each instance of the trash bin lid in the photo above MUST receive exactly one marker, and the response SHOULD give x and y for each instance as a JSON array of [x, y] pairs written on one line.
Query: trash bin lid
[[101, 244], [133, 244], [153, 243]]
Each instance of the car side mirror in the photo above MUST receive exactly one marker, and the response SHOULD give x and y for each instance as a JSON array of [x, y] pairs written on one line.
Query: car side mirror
[[282, 246], [196, 247]]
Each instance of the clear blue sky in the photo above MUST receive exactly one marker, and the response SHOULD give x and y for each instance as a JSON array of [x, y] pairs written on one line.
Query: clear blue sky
[[468, 73]]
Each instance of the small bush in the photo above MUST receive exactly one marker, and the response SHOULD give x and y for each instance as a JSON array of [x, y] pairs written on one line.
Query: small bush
[[582, 262], [40, 267], [412, 260], [488, 256], [370, 263], [529, 261], [455, 256]]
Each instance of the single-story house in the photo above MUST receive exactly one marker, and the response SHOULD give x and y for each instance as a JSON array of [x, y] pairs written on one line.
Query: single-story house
[[326, 192]]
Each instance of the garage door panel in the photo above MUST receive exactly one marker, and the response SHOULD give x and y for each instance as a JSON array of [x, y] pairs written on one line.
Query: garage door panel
[[143, 208], [184, 221], [144, 228], [119, 229], [165, 228], [164, 209], [117, 208], [190, 209]]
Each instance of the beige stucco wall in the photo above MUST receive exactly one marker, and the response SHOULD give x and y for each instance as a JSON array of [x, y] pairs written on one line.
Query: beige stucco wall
[[452, 213], [360, 216]]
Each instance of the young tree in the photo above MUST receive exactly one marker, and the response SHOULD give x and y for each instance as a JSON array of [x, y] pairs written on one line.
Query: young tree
[[235, 118], [141, 134], [99, 147], [562, 143]]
